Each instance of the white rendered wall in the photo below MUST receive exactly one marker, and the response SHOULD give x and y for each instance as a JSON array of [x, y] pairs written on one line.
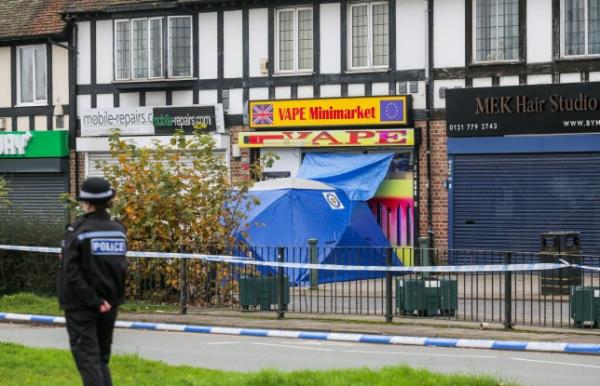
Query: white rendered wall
[[83, 102], [289, 160], [207, 97], [129, 99], [539, 79], [330, 38], [539, 31], [207, 41], [258, 93], [573, 77], [357, 89], [305, 92], [40, 123], [509, 80], [258, 30], [183, 98], [439, 103], [156, 98], [232, 41], [60, 75], [23, 124], [380, 89], [104, 51], [594, 76], [411, 34], [105, 100], [482, 82], [331, 90], [5, 86], [283, 92], [449, 33], [236, 102], [84, 50]]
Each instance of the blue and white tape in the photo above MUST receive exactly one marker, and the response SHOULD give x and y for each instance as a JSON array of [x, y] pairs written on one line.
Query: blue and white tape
[[558, 347], [331, 267]]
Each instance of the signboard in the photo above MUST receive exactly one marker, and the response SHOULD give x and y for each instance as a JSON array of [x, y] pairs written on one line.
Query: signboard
[[129, 120], [327, 138], [34, 144], [333, 200], [364, 111], [540, 109], [151, 120], [205, 118]]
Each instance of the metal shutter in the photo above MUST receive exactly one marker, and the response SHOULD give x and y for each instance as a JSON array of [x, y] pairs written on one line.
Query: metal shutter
[[37, 194], [503, 202], [94, 162]]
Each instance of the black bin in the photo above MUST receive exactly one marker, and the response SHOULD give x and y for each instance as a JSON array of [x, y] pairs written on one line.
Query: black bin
[[564, 246]]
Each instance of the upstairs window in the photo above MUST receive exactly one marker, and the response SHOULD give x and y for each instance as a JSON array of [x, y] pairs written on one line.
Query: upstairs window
[[369, 35], [496, 30], [294, 40], [139, 51], [32, 75], [581, 27]]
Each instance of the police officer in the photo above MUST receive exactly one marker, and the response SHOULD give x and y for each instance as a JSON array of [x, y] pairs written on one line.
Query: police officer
[[92, 281]]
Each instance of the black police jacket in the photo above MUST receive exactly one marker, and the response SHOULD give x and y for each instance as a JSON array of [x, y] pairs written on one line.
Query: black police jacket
[[93, 265]]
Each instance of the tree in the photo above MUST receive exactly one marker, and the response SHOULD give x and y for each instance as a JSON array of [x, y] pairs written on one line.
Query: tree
[[178, 196]]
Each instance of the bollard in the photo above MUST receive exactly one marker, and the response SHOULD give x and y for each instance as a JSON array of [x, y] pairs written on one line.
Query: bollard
[[388, 288], [424, 255], [280, 284], [508, 325], [183, 287], [313, 259]]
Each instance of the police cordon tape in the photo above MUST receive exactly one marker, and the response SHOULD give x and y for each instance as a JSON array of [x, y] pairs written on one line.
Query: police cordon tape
[[558, 347], [331, 267]]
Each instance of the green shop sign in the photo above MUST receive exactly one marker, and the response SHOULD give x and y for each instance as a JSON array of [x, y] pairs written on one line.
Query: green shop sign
[[34, 144]]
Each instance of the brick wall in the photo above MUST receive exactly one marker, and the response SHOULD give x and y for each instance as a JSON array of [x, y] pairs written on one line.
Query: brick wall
[[240, 166], [75, 158], [439, 174]]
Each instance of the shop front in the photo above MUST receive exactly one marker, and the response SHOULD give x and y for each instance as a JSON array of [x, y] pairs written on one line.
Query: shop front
[[332, 139], [35, 165], [143, 126], [522, 161]]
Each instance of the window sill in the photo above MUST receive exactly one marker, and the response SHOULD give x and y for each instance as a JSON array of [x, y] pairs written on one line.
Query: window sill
[[578, 58], [298, 73], [497, 63], [32, 104], [367, 70], [146, 84]]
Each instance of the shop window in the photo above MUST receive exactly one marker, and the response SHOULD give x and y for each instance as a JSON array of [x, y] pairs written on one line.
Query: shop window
[[580, 21], [369, 35], [496, 30], [139, 48], [294, 37], [32, 75]]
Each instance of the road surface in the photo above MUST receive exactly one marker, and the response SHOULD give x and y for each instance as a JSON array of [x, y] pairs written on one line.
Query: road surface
[[252, 353]]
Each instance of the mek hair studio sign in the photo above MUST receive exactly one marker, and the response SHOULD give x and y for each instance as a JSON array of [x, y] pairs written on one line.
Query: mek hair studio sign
[[327, 138], [34, 144], [341, 112], [540, 109]]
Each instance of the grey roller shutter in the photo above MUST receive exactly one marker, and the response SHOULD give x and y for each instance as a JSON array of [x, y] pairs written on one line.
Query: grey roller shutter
[[37, 194], [503, 202], [96, 160]]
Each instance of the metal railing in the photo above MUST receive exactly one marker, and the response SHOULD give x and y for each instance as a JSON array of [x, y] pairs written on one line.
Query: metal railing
[[530, 297]]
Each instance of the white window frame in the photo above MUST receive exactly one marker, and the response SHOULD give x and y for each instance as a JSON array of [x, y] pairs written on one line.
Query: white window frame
[[474, 40], [170, 59], [295, 70], [369, 66], [115, 69], [36, 102], [586, 53]]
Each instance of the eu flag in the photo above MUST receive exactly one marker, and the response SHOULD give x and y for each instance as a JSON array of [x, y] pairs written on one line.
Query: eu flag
[[391, 110]]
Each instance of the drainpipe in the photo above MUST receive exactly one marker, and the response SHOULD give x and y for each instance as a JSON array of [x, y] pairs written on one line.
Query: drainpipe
[[429, 116], [72, 76]]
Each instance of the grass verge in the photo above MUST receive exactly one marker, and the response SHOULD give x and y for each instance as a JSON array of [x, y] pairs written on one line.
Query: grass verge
[[20, 365], [27, 303]]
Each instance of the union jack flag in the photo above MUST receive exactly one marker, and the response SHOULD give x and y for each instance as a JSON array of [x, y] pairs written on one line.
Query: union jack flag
[[262, 114]]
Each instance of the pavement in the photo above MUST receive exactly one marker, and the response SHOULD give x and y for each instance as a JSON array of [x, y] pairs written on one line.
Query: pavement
[[243, 353], [401, 326]]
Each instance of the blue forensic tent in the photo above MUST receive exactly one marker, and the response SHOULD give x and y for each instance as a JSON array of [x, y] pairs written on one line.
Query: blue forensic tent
[[293, 210], [358, 175]]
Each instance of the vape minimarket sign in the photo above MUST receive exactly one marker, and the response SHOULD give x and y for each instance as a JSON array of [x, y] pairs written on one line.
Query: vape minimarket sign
[[341, 112]]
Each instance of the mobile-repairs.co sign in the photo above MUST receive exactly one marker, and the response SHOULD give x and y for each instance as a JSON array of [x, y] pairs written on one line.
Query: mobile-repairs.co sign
[[34, 144], [151, 120], [539, 109]]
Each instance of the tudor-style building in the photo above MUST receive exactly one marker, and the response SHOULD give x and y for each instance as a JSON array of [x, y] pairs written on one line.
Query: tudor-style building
[[135, 55], [34, 105]]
